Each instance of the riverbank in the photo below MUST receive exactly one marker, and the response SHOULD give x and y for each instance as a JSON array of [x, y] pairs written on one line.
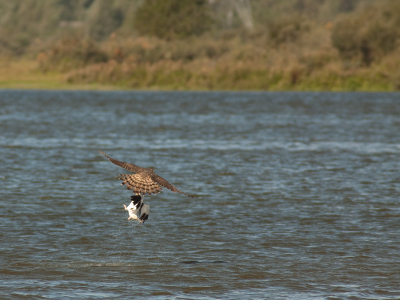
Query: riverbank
[[25, 74], [197, 75], [321, 48]]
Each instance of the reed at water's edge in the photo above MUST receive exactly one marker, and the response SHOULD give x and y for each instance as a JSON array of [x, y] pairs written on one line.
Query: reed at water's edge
[[274, 70], [245, 67]]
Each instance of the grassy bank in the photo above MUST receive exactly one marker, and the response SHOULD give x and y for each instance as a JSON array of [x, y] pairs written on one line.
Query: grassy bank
[[230, 78], [322, 47], [202, 74], [230, 75], [274, 72], [25, 74], [358, 51]]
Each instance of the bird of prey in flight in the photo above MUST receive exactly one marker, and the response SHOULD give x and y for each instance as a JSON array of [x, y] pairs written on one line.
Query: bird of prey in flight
[[143, 182]]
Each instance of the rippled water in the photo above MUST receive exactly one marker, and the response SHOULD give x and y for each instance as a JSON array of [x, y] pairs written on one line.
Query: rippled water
[[296, 195]]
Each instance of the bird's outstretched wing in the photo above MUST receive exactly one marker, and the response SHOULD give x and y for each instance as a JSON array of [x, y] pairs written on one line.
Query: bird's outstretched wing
[[161, 181], [129, 167], [145, 181]]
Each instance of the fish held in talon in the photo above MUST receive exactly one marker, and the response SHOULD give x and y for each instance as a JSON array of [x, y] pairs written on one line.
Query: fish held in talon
[[137, 209]]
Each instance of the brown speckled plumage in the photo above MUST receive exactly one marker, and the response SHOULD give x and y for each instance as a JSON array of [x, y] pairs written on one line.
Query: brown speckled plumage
[[145, 181]]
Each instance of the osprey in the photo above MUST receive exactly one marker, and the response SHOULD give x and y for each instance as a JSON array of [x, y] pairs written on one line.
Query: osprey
[[145, 181]]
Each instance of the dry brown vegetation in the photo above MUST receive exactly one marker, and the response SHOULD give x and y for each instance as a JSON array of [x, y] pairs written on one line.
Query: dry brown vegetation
[[291, 52], [228, 62]]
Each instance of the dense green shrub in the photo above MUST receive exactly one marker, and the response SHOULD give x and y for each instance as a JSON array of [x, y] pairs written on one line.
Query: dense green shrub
[[370, 35], [171, 19], [287, 29]]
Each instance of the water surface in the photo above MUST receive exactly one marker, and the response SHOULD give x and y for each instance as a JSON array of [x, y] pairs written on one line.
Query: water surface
[[296, 195]]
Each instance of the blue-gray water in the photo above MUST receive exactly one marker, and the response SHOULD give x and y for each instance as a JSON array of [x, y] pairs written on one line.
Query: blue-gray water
[[296, 195]]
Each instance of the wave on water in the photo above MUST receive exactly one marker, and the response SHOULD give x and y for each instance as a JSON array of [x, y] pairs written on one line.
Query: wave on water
[[224, 145]]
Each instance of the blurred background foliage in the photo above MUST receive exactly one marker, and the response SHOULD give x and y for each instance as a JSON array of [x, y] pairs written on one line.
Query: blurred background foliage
[[171, 19], [209, 44]]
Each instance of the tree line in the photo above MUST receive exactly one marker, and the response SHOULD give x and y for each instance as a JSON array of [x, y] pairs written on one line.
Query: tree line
[[253, 44]]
